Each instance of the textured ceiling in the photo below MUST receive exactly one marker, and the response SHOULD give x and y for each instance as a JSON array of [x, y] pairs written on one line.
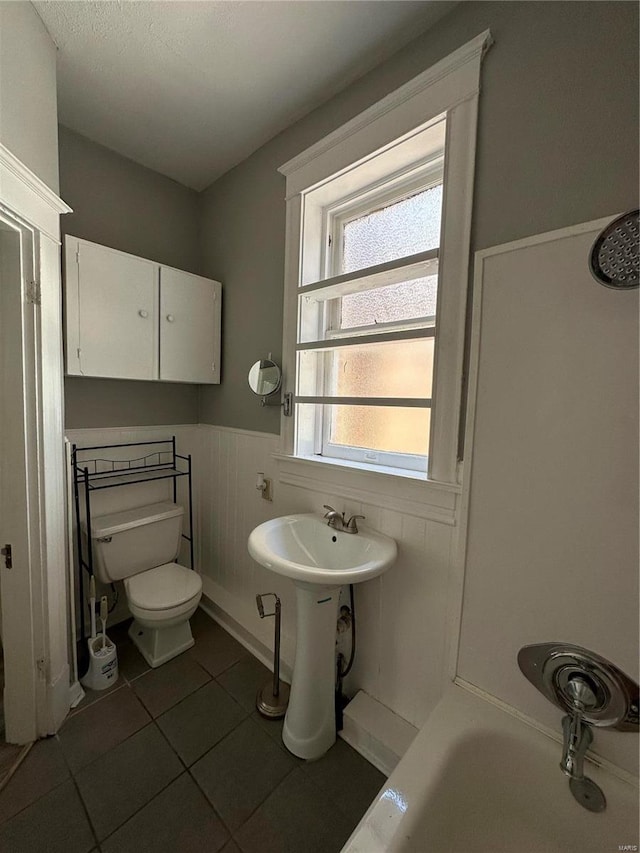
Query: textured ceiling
[[192, 88]]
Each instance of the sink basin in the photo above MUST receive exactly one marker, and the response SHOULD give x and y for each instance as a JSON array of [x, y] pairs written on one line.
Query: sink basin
[[319, 560], [303, 547]]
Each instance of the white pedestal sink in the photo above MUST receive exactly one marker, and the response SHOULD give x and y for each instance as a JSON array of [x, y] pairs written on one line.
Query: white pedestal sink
[[319, 560]]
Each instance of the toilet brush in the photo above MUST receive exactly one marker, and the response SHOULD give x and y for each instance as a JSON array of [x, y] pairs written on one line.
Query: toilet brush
[[103, 655], [92, 605], [104, 612]]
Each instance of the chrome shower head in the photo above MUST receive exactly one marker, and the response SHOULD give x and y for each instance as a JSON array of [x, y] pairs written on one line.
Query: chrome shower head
[[615, 256]]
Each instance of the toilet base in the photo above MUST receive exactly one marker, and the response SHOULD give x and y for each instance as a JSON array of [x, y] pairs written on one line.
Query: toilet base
[[158, 645]]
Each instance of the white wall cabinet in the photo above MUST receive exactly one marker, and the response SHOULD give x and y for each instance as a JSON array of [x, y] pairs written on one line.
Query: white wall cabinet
[[130, 318]]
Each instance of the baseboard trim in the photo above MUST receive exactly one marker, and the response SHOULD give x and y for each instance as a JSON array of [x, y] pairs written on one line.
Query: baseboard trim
[[244, 637], [374, 731], [58, 701], [76, 694]]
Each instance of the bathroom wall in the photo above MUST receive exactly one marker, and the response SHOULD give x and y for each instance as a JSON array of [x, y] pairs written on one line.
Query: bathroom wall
[[543, 162], [128, 207], [28, 104], [558, 78], [540, 165], [553, 522]]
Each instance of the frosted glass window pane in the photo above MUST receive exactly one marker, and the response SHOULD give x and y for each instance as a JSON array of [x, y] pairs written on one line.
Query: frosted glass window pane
[[399, 369], [404, 228], [394, 369], [407, 300], [381, 428]]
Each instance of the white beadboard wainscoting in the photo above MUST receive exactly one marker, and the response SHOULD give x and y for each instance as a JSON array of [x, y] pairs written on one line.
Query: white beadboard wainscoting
[[401, 616]]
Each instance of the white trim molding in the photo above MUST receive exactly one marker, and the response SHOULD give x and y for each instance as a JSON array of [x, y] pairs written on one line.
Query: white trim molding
[[386, 132], [414, 496], [463, 62], [22, 191]]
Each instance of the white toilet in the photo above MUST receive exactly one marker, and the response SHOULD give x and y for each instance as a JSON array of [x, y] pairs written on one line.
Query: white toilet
[[138, 546]]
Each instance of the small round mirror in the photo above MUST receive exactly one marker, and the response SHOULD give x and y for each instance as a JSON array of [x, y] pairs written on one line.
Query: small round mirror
[[264, 377]]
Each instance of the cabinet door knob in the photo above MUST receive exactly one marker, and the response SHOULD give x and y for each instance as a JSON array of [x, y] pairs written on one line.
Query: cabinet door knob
[[170, 318], [142, 313]]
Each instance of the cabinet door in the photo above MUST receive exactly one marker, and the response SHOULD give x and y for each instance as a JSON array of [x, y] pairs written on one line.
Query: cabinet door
[[112, 313], [189, 327]]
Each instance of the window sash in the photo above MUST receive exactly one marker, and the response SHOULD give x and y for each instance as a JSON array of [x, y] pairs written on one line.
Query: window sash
[[380, 275], [388, 459], [371, 199], [378, 337], [328, 293], [366, 455]]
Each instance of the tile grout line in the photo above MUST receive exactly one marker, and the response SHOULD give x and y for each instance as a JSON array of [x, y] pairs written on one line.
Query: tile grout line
[[42, 796], [73, 712], [259, 806], [215, 745], [111, 748], [152, 722], [143, 806], [83, 804], [128, 683]]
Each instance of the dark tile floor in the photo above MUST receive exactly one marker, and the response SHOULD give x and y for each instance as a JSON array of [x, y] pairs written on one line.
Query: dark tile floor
[[175, 760]]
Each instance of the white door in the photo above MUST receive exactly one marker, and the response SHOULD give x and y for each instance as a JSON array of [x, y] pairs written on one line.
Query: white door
[[115, 332], [189, 327], [18, 492]]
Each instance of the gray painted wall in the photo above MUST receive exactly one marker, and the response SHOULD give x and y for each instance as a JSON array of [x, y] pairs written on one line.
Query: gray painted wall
[[28, 98], [125, 206], [557, 145]]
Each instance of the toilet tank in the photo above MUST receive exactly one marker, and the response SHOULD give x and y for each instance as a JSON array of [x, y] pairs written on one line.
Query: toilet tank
[[134, 540]]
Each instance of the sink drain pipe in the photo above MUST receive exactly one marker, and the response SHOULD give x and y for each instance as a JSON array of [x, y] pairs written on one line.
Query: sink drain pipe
[[341, 670]]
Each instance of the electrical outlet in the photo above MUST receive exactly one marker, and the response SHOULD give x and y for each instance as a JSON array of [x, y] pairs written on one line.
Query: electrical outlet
[[267, 491]]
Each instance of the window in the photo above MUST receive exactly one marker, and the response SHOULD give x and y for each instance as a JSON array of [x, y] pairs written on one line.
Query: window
[[378, 243], [367, 330]]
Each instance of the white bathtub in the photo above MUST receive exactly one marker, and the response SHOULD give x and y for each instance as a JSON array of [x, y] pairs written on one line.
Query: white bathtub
[[478, 780]]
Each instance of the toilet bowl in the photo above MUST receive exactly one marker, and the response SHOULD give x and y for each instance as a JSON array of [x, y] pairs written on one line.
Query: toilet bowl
[[161, 601], [136, 546]]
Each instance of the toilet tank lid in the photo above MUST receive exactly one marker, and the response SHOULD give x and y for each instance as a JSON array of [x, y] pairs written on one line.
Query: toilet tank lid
[[117, 522]]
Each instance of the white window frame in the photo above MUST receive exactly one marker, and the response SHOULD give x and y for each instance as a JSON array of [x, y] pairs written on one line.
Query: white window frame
[[448, 89]]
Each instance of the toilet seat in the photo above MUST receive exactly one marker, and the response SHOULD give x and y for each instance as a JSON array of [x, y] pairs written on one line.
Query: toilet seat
[[169, 587]]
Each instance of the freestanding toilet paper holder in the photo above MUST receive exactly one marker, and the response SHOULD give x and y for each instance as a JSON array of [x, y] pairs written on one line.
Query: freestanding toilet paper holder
[[273, 697]]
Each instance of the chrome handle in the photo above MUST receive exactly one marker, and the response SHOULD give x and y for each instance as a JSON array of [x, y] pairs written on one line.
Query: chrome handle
[[351, 525], [142, 313], [577, 737]]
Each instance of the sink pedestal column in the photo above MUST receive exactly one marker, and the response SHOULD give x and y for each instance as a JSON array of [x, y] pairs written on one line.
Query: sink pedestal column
[[310, 724]]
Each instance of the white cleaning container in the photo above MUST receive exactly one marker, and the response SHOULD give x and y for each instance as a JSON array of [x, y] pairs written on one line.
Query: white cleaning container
[[103, 664]]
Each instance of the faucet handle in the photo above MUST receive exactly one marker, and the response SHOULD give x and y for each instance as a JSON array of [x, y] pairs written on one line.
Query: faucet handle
[[329, 509], [351, 525], [581, 694]]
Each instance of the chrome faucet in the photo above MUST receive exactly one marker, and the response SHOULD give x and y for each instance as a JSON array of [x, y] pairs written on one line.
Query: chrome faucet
[[577, 734], [337, 520], [592, 692]]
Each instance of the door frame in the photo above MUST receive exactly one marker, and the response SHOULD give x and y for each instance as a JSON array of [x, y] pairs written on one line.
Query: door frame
[[19, 500], [35, 632]]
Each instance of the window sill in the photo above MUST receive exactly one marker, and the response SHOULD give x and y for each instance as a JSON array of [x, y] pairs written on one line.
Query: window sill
[[407, 492]]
